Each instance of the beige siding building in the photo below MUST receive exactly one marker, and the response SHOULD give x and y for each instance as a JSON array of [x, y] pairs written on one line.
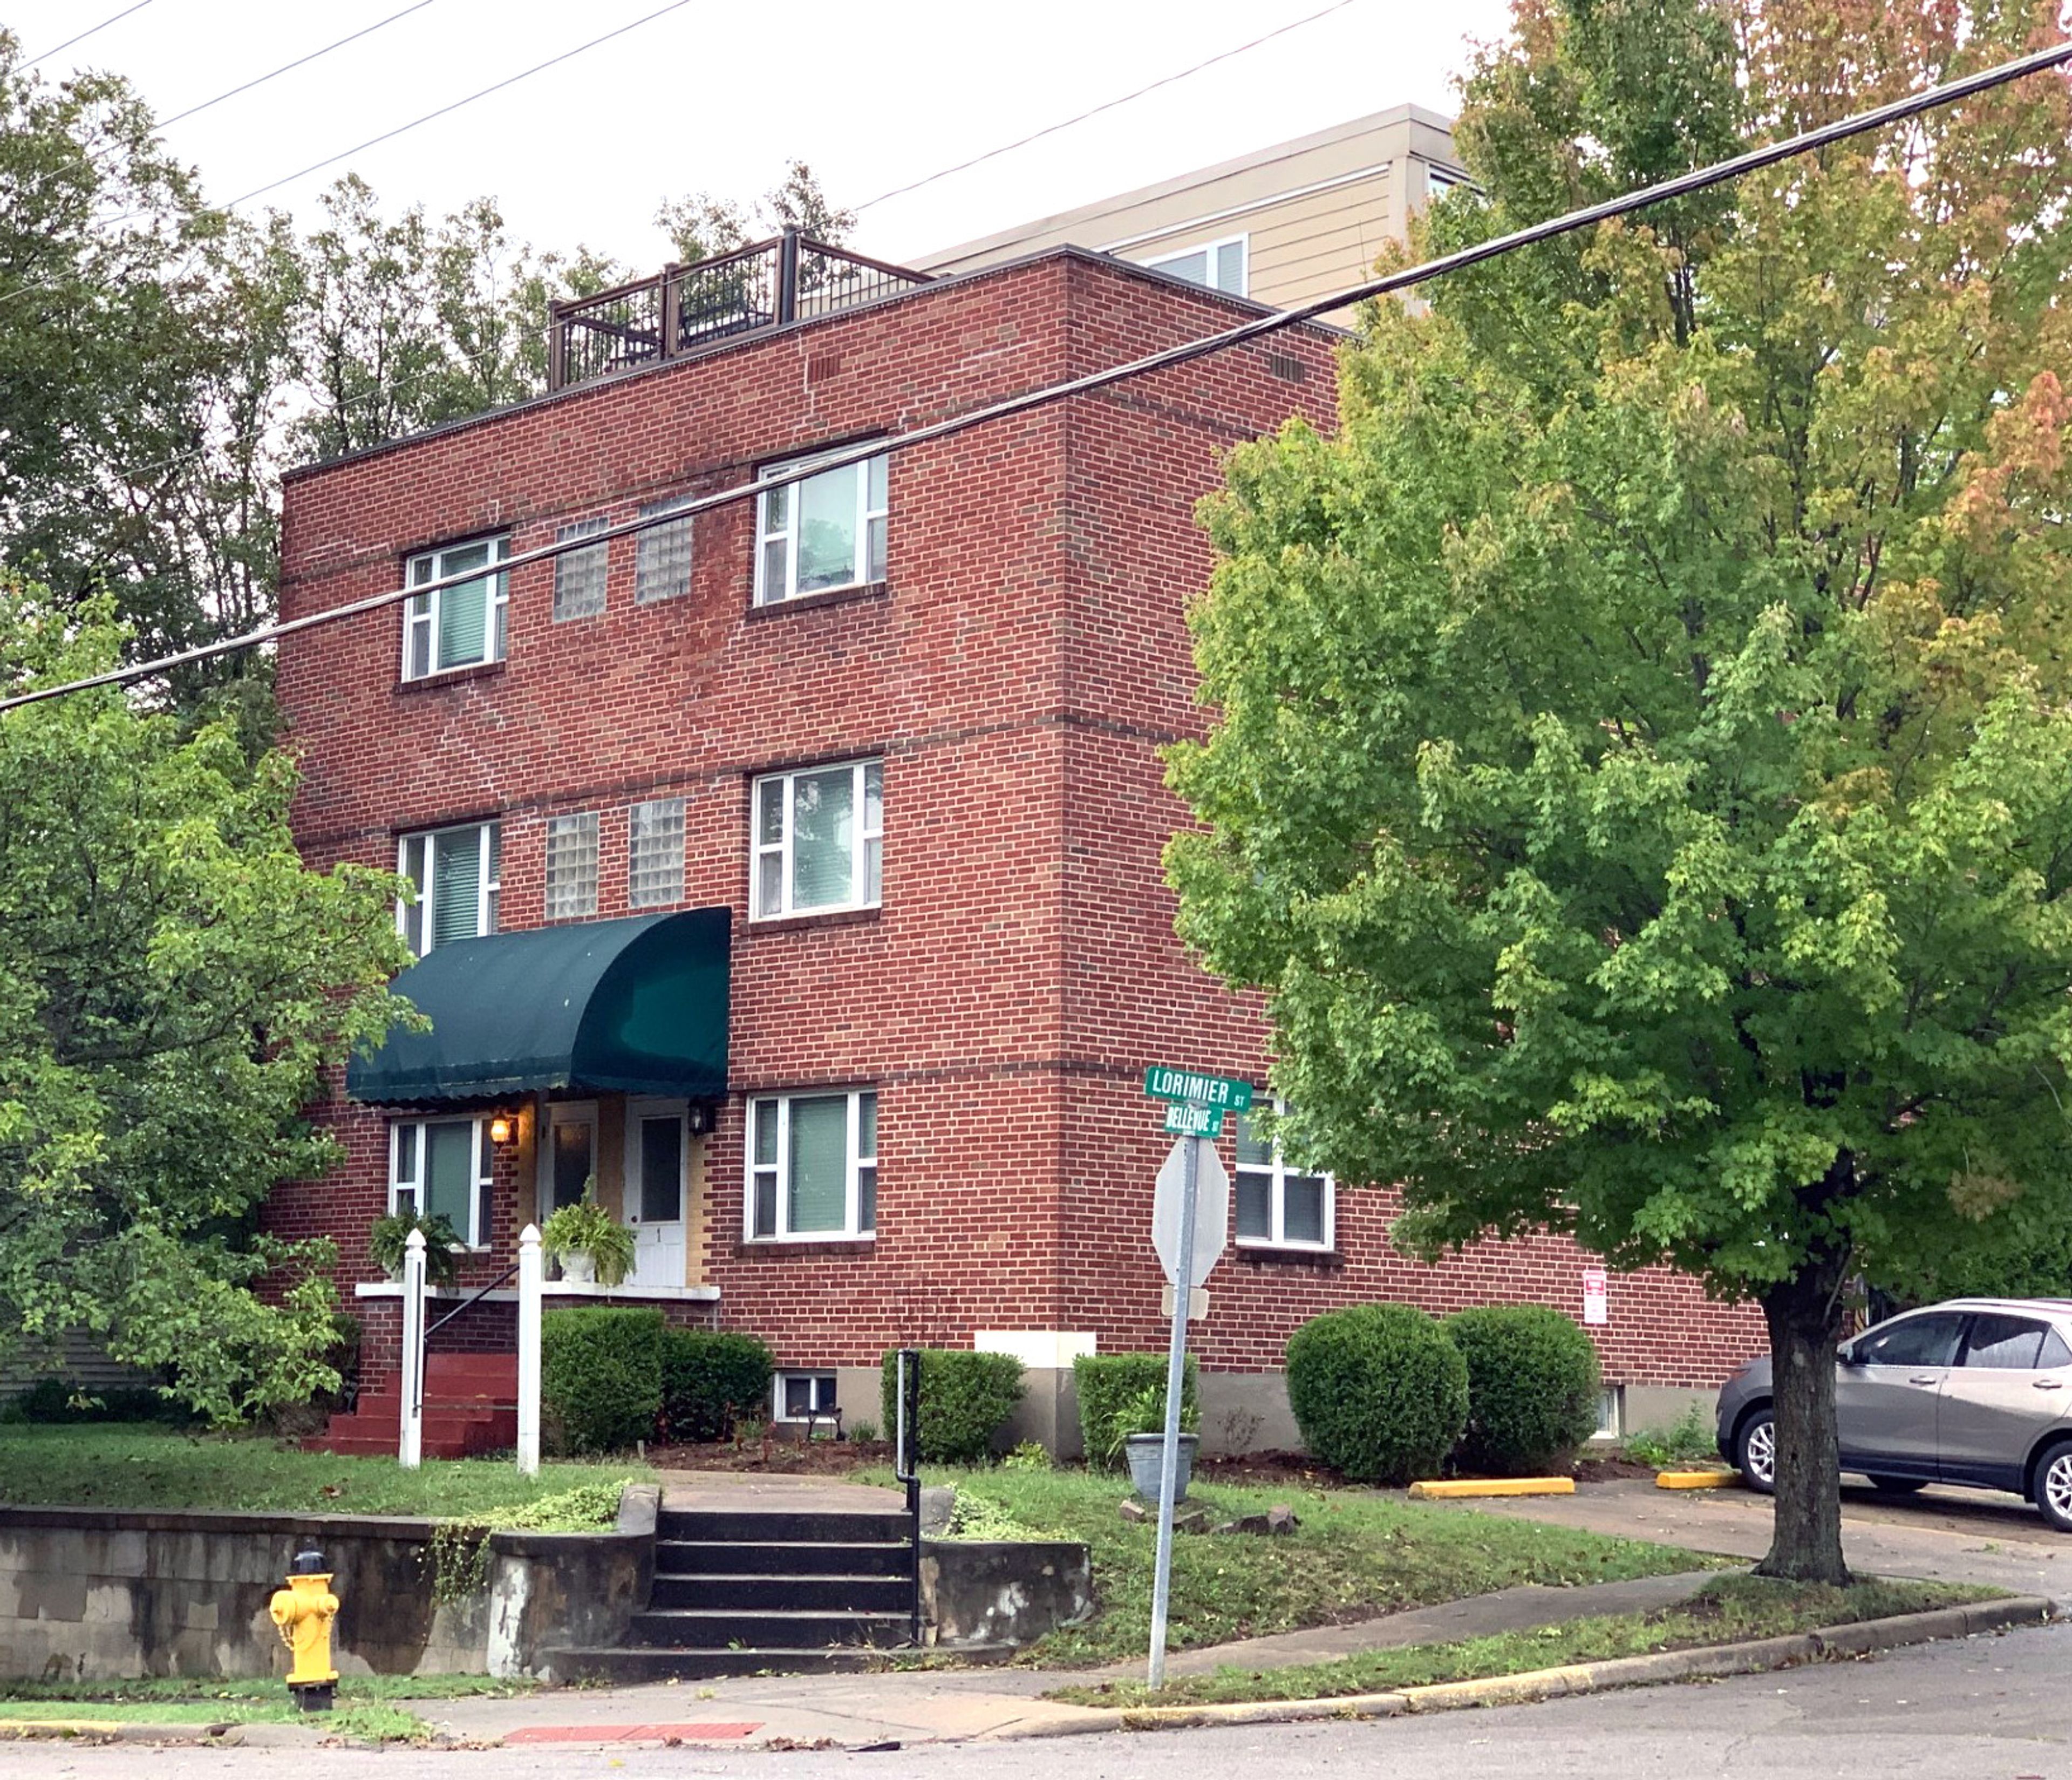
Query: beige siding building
[[1280, 225]]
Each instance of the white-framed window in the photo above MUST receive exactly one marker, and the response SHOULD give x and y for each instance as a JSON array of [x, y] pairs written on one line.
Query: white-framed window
[[798, 1396], [439, 1165], [813, 1166], [1611, 1413], [818, 839], [462, 625], [572, 865], [1222, 266], [1278, 1207], [456, 871], [662, 554], [580, 575], [1438, 182], [823, 534], [654, 854]]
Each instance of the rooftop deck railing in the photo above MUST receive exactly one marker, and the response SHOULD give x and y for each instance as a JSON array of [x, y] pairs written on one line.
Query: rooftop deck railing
[[789, 277]]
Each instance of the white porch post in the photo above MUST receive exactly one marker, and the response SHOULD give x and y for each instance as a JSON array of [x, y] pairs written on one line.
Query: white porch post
[[411, 1441], [531, 1276]]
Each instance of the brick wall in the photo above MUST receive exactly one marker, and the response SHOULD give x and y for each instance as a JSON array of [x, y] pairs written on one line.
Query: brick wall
[[1017, 672]]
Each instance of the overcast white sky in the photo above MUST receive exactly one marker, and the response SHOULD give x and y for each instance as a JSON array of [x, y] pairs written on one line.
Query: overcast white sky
[[718, 97]]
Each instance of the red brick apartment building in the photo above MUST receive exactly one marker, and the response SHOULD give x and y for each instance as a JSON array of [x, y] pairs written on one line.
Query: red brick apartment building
[[794, 869]]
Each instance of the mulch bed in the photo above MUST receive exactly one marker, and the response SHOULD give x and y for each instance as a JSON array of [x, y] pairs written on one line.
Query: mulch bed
[[792, 1458]]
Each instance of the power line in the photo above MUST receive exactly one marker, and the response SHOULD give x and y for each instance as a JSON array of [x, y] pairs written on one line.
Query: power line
[[510, 80], [1052, 129], [289, 68], [1699, 179], [82, 36]]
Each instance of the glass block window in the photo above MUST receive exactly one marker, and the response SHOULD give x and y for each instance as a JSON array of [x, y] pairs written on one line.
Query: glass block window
[[826, 532], [572, 865], [455, 872], [819, 839], [1277, 1206], [662, 559], [580, 575], [654, 854], [813, 1166], [460, 626]]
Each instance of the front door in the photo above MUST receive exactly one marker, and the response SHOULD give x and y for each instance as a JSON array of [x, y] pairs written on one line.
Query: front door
[[1886, 1399], [656, 1161], [568, 1158]]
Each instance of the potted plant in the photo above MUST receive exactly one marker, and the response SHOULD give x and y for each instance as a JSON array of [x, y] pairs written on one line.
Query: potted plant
[[589, 1243], [1146, 1452], [387, 1237]]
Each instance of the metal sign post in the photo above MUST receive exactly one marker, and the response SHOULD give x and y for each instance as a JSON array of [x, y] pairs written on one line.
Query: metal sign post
[[1196, 1104]]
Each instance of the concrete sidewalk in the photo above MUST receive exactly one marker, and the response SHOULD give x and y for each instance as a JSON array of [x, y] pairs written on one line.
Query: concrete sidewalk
[[924, 1705]]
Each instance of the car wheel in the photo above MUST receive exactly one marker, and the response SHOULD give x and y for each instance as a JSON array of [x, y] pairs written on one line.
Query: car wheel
[[1755, 1451], [2053, 1485], [1898, 1486]]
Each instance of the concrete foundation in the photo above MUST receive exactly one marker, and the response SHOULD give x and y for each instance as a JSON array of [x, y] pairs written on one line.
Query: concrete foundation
[[986, 1592]]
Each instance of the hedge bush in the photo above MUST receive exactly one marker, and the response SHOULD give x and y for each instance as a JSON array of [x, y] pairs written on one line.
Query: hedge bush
[[601, 1376], [965, 1398], [1107, 1381], [1532, 1388], [710, 1377], [1379, 1391], [59, 1400]]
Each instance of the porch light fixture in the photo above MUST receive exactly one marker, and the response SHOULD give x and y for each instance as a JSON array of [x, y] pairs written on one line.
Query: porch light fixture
[[499, 1130], [699, 1119]]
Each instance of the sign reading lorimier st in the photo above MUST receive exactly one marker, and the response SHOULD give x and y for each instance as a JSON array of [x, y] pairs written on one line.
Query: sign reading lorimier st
[[1224, 1092]]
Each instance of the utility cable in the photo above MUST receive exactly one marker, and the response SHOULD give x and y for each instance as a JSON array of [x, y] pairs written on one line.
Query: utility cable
[[81, 37], [289, 68], [1699, 179], [1052, 129]]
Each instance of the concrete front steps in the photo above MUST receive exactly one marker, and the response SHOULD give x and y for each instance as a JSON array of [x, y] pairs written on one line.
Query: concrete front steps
[[471, 1408], [755, 1592]]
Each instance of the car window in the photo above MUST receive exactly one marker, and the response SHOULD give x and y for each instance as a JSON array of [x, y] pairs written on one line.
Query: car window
[[2055, 1352], [2006, 1344], [1912, 1341]]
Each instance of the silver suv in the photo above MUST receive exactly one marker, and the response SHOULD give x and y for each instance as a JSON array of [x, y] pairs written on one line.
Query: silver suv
[[1977, 1391]]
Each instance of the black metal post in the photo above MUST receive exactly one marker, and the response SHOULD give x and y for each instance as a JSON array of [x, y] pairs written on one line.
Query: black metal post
[[907, 1455], [787, 277]]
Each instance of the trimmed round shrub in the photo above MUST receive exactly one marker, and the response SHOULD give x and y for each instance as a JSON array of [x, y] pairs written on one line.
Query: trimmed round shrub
[[1532, 1388], [1378, 1391], [1106, 1383], [965, 1400], [601, 1376], [710, 1378]]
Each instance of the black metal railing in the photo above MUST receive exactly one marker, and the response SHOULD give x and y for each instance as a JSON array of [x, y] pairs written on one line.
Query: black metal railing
[[906, 1462], [789, 277], [425, 1341]]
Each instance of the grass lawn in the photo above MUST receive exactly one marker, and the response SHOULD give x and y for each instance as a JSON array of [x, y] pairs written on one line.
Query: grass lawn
[[368, 1705], [121, 1464], [1358, 1553], [1727, 1610]]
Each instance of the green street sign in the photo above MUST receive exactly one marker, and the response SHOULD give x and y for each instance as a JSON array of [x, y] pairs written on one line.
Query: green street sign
[[1222, 1093], [1189, 1119]]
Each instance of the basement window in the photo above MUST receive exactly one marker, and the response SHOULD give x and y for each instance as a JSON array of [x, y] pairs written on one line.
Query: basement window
[[801, 1396]]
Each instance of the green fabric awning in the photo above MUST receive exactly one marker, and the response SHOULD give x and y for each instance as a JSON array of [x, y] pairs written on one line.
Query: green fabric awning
[[611, 1007]]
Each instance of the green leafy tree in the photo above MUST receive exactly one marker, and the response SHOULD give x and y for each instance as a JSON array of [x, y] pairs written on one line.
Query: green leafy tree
[[703, 226], [1642, 780], [173, 982]]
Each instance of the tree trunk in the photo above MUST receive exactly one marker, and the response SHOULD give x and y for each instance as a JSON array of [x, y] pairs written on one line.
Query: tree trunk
[[1805, 1316]]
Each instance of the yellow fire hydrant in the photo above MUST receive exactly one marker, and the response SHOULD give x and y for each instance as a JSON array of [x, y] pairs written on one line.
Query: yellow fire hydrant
[[303, 1611]]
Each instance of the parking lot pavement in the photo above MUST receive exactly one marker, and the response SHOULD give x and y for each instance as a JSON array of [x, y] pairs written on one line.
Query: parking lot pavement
[[1943, 1535]]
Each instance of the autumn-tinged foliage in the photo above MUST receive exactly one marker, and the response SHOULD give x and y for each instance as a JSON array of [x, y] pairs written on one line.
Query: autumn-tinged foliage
[[1643, 778]]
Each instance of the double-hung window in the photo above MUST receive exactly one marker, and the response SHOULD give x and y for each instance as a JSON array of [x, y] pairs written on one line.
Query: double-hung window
[[824, 532], [572, 867], [654, 854], [1277, 1206], [813, 1166], [461, 625], [443, 1165], [1221, 266], [819, 839], [456, 872]]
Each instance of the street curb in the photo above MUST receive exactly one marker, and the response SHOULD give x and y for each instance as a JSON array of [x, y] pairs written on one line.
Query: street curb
[[223, 1734], [1457, 1489], [1860, 1639], [1711, 1478]]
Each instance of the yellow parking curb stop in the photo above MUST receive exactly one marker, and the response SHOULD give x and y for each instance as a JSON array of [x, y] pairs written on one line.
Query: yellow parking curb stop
[[1451, 1488], [1709, 1479]]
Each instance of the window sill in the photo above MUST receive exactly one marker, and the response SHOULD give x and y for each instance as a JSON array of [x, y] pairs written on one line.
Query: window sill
[[821, 917], [813, 602], [1266, 1254], [803, 1245], [449, 677]]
